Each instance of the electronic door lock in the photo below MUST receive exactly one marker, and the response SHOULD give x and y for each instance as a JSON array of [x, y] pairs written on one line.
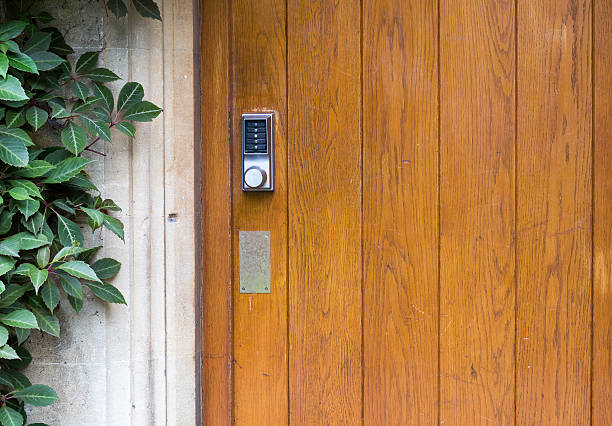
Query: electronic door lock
[[257, 152]]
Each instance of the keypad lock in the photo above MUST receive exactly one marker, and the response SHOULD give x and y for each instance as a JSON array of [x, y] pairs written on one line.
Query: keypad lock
[[257, 158]]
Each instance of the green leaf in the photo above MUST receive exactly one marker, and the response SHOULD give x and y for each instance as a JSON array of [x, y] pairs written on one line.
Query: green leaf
[[50, 295], [11, 90], [35, 168], [126, 128], [22, 62], [58, 110], [106, 268], [19, 380], [108, 204], [82, 182], [11, 45], [117, 7], [22, 334], [37, 395], [4, 64], [11, 29], [14, 119], [13, 152], [36, 117], [142, 111], [42, 256], [67, 169], [4, 335], [6, 264], [46, 61], [48, 323], [106, 96], [79, 269], [74, 138], [81, 107], [19, 193], [31, 241], [11, 294], [40, 41], [20, 318], [86, 61], [16, 134], [130, 94], [96, 128], [96, 216], [28, 207], [6, 221], [10, 246], [76, 304], [29, 186], [80, 90], [38, 278], [106, 292], [114, 225], [10, 417], [71, 286], [6, 352], [5, 379], [147, 8], [101, 75], [68, 232]]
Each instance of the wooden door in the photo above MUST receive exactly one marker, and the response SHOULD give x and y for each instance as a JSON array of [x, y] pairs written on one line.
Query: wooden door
[[441, 224]]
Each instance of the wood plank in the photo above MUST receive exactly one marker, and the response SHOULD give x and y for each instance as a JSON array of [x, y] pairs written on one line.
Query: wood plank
[[477, 260], [260, 321], [400, 69], [554, 212], [216, 232], [602, 216], [325, 268]]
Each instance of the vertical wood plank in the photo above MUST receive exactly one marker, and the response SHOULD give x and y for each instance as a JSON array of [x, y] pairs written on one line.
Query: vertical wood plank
[[216, 208], [477, 260], [325, 270], [260, 321], [602, 217], [400, 78], [554, 212]]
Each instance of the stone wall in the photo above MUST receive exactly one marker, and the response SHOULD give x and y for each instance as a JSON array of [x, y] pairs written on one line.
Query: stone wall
[[135, 365]]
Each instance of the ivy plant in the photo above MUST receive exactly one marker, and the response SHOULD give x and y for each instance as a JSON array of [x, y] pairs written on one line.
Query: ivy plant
[[46, 192]]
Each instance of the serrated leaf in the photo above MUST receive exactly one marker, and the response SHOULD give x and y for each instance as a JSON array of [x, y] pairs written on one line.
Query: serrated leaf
[[5, 379], [74, 138], [114, 225], [10, 246], [101, 75], [147, 8], [29, 186], [58, 110], [38, 278], [20, 381], [82, 182], [16, 134], [22, 62], [80, 90], [4, 335], [76, 304], [37, 395], [50, 295], [35, 168], [46, 61], [96, 216], [106, 292], [47, 323], [36, 117], [20, 318], [81, 107], [14, 119], [126, 128], [67, 169], [19, 193], [68, 232], [6, 264], [78, 269], [6, 221], [142, 111], [31, 241], [71, 286], [28, 207], [42, 256], [130, 94], [86, 61], [105, 95], [11, 90], [4, 64], [96, 128], [11, 29], [22, 334], [6, 352], [13, 152], [40, 41], [118, 8], [106, 268], [10, 417]]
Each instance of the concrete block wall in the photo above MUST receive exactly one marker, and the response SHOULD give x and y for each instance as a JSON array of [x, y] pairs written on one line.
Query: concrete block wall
[[135, 365]]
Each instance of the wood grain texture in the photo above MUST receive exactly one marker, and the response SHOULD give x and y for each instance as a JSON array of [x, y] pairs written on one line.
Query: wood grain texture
[[400, 224], [325, 267], [602, 216], [260, 320], [477, 278], [554, 212], [216, 232]]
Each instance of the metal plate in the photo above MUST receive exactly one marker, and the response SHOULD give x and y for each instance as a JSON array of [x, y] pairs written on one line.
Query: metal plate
[[254, 252]]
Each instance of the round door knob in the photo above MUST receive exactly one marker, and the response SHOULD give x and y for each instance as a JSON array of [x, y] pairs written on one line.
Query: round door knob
[[254, 177]]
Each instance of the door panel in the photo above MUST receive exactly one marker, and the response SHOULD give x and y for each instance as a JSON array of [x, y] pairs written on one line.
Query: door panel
[[400, 207], [258, 61], [440, 223]]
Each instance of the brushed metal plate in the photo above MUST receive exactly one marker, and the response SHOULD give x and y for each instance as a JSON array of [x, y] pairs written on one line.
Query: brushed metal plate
[[254, 252]]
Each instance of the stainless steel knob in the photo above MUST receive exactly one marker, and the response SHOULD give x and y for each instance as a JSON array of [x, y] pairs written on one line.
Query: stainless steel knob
[[254, 177]]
